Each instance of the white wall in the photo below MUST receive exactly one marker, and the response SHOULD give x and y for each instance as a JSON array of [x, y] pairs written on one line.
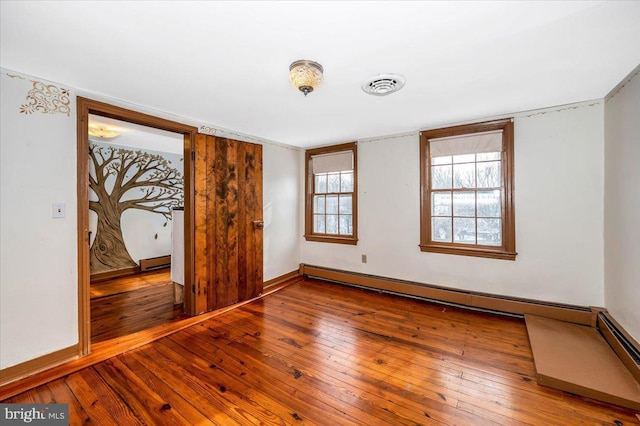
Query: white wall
[[38, 254], [622, 204], [559, 214], [280, 202]]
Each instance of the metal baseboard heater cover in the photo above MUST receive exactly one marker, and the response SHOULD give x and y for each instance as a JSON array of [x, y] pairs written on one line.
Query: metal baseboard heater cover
[[155, 263], [467, 299]]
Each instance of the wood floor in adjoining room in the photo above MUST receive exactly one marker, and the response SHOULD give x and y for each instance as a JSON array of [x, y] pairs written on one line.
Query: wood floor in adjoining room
[[125, 305], [325, 354]]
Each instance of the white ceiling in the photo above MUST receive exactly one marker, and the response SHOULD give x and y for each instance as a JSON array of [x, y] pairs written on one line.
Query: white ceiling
[[226, 63], [136, 136]]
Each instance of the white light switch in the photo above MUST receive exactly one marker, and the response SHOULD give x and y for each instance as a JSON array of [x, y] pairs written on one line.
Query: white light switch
[[59, 210]]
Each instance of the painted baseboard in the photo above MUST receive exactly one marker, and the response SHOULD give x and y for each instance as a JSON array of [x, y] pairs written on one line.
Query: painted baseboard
[[36, 365], [474, 300]]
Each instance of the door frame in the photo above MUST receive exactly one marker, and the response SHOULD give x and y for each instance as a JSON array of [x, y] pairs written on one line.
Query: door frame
[[85, 107]]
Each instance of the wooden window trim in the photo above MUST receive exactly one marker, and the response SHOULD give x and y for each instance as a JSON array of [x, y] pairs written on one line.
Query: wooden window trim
[[508, 249], [309, 235]]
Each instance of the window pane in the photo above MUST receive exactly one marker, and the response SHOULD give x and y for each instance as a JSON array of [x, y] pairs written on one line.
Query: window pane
[[332, 224], [345, 204], [441, 204], [345, 224], [464, 204], [466, 158], [485, 156], [490, 232], [441, 229], [346, 182], [318, 203], [321, 183], [464, 175], [489, 174], [489, 204], [332, 204], [441, 177], [466, 189], [464, 230], [333, 182], [441, 160], [318, 223]]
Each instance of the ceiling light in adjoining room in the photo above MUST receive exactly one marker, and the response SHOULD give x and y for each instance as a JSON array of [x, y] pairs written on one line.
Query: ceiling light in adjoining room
[[305, 75], [103, 132], [383, 84]]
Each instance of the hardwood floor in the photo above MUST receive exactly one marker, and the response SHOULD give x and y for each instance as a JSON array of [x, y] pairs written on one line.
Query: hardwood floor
[[320, 353], [125, 305], [127, 283]]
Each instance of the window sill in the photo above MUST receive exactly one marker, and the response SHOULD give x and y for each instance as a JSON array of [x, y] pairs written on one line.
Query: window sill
[[474, 251], [331, 239]]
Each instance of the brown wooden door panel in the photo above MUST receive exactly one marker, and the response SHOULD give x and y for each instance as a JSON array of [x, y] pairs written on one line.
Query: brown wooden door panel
[[226, 224], [253, 210], [228, 200], [201, 243]]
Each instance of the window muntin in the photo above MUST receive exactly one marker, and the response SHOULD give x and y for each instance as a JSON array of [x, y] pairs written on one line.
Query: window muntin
[[467, 186], [466, 199], [333, 203], [331, 191]]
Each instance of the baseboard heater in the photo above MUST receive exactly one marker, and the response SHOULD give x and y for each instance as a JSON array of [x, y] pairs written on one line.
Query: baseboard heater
[[627, 349], [155, 263], [467, 299]]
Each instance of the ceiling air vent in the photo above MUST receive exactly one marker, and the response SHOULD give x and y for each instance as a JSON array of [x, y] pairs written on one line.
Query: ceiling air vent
[[383, 84]]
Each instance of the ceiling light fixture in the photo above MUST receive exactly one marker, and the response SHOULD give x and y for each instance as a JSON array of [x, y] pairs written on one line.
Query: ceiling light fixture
[[383, 84], [103, 132], [305, 75]]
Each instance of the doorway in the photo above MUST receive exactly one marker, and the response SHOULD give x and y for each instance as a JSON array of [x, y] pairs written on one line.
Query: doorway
[[86, 109], [136, 227]]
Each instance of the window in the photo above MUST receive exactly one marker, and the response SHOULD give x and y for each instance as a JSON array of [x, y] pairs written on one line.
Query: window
[[467, 190], [331, 194]]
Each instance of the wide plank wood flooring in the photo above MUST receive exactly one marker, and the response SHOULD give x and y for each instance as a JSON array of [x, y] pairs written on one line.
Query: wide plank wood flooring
[[323, 354], [125, 305], [112, 286]]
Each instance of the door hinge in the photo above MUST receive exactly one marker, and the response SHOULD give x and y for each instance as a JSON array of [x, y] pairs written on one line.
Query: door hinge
[[193, 155], [193, 288]]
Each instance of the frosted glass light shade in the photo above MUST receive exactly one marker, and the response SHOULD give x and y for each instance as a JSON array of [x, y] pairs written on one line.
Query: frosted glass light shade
[[306, 76], [103, 132]]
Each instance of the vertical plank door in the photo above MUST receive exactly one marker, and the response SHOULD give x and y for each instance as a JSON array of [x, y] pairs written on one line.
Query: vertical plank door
[[228, 222]]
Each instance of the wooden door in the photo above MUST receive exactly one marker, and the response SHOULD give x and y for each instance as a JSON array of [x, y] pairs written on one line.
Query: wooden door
[[228, 222]]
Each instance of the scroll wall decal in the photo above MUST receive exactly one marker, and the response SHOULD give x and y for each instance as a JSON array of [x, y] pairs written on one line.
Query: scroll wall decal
[[124, 179], [207, 130], [47, 99]]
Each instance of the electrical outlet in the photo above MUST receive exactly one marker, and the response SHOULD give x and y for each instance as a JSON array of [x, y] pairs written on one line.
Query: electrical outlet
[[59, 211], [364, 258]]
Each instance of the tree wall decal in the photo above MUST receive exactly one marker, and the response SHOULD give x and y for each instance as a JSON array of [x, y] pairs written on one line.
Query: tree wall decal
[[124, 179]]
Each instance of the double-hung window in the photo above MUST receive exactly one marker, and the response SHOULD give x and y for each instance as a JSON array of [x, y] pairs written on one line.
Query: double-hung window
[[467, 190], [331, 194]]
